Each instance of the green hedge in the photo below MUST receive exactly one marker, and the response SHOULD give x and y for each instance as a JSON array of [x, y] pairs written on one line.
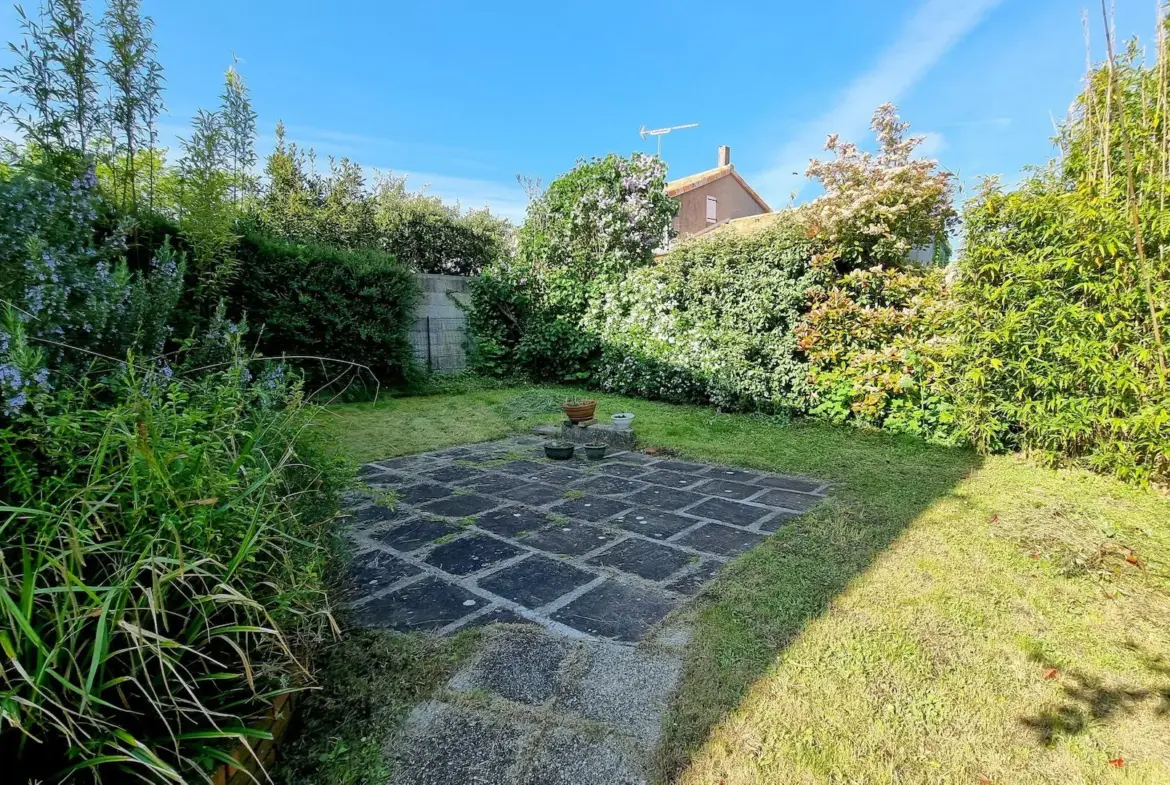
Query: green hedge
[[712, 322], [313, 300]]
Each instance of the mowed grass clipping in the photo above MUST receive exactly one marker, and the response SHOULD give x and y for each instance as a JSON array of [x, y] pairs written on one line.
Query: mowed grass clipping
[[945, 619]]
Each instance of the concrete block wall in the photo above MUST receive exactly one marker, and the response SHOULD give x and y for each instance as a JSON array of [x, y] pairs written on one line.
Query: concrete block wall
[[439, 332]]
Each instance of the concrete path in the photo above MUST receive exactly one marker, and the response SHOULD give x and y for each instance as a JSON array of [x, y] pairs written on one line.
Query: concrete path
[[591, 557]]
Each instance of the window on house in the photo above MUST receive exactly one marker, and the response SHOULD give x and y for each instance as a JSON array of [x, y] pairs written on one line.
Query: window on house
[[712, 204]]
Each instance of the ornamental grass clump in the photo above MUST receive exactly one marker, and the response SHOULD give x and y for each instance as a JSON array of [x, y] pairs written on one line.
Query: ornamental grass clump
[[162, 567]]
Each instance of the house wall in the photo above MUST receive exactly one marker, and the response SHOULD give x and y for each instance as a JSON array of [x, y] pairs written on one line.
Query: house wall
[[733, 202]]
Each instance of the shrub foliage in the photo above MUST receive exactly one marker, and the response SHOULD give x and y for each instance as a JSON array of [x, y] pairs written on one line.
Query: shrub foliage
[[356, 305]]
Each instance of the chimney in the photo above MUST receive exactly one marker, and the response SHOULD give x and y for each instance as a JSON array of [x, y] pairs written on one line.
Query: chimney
[[724, 155]]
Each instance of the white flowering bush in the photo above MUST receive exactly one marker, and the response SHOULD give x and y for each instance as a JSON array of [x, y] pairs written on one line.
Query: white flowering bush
[[712, 322], [876, 208]]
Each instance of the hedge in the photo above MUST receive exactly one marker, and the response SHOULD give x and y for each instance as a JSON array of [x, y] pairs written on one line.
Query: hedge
[[314, 300]]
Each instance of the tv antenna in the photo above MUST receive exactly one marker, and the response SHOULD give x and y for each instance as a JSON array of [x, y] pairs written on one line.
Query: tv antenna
[[661, 132]]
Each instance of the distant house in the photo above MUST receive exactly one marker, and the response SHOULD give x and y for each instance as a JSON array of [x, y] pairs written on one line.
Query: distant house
[[714, 197]]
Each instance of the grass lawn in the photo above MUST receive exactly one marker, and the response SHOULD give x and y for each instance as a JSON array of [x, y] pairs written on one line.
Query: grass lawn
[[945, 619]]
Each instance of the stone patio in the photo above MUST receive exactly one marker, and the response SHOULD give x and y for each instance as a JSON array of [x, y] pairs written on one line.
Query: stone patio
[[581, 561], [592, 550]]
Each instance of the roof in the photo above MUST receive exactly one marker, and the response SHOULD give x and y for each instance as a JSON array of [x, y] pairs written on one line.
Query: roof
[[677, 188], [744, 225]]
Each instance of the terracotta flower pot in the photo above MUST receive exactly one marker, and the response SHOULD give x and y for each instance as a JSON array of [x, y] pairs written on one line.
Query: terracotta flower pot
[[579, 411]]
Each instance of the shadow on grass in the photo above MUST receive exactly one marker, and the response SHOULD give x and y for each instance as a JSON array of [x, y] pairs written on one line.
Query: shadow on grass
[[764, 600], [1088, 700]]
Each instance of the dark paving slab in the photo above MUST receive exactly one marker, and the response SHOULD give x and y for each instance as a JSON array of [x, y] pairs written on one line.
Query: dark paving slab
[[723, 540], [536, 494], [460, 505], [665, 498], [493, 481], [672, 479], [377, 513], [375, 570], [778, 520], [561, 475], [529, 528], [732, 475], [536, 581], [693, 582], [790, 483], [370, 470], [414, 534], [590, 508], [610, 486], [682, 466], [572, 539], [512, 521], [789, 500], [725, 489], [471, 554], [644, 559], [622, 469], [454, 474], [653, 523], [523, 468], [422, 492], [615, 610], [427, 605], [729, 511]]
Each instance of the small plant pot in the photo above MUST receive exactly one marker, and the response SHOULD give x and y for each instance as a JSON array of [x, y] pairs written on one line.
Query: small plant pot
[[595, 452], [622, 421], [579, 411], [559, 452]]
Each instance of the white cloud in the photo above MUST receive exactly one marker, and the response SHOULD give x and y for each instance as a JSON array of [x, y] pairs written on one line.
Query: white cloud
[[930, 33]]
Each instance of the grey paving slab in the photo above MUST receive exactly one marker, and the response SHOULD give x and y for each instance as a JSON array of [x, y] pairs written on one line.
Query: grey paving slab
[[778, 520], [454, 474], [449, 745], [665, 498], [693, 582], [731, 475], [567, 756], [378, 513], [522, 667]]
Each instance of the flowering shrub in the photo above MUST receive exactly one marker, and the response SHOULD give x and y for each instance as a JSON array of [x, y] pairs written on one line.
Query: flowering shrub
[[712, 322], [876, 341], [592, 226], [877, 208]]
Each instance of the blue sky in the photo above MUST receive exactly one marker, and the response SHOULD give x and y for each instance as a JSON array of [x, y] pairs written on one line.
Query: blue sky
[[463, 96]]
